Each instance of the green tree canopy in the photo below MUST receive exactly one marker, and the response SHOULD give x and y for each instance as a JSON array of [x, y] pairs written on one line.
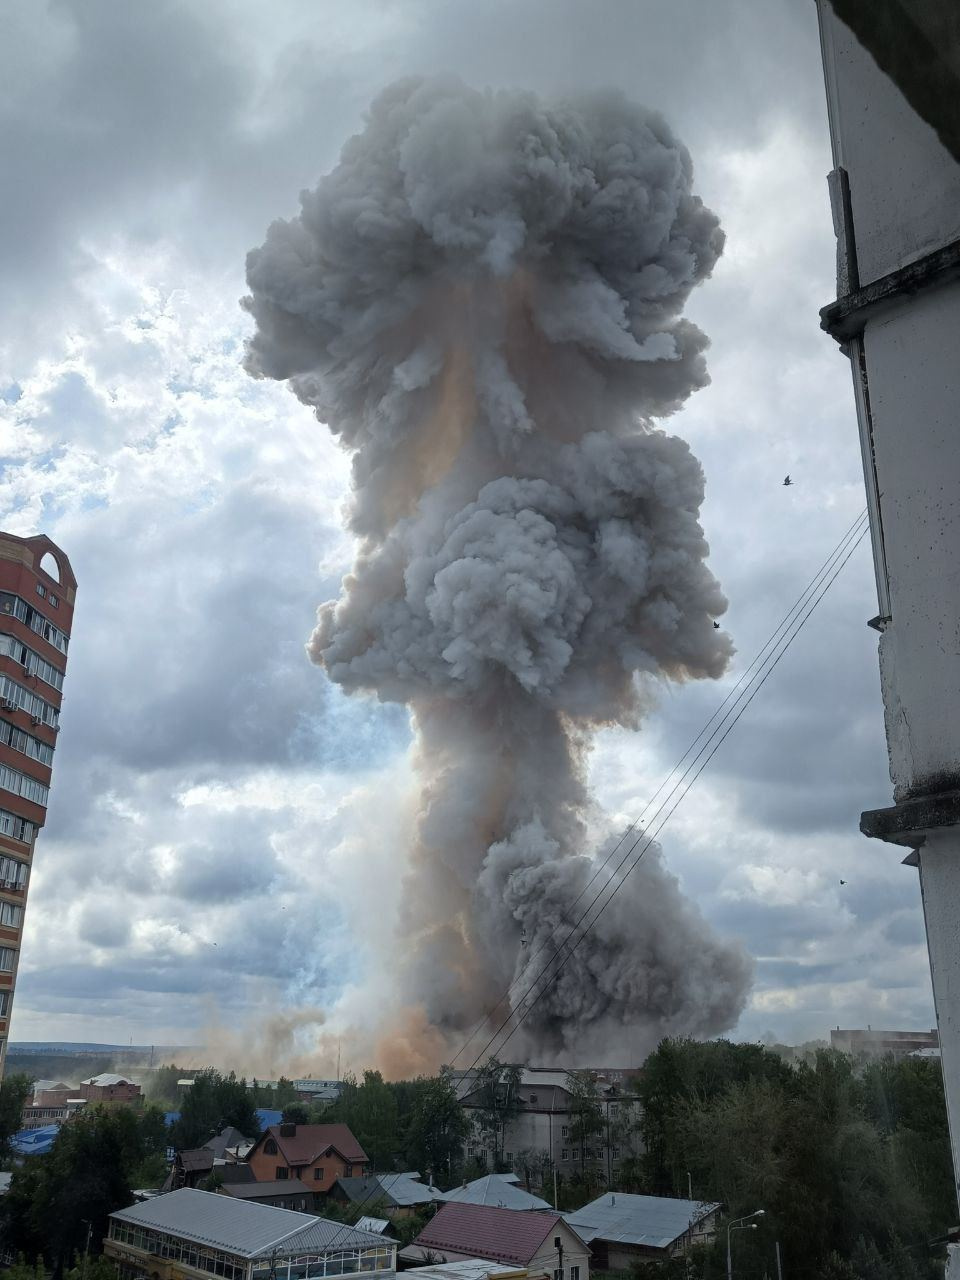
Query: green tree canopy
[[211, 1103]]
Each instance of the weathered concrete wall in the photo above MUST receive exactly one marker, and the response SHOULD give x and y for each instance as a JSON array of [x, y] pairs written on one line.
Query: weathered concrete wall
[[914, 379], [904, 184]]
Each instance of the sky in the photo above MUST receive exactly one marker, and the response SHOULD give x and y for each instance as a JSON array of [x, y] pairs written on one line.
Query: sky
[[227, 829]]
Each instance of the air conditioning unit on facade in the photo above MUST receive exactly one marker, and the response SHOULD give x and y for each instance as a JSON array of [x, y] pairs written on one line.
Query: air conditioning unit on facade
[[8, 705]]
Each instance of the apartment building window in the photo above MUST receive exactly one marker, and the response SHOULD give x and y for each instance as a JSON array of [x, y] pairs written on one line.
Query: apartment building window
[[35, 620], [41, 590], [4, 1003], [282, 1173], [564, 1131], [564, 1154], [575, 1273], [15, 827], [19, 740], [508, 1156], [10, 916], [7, 957], [616, 1153], [13, 874], [20, 784], [54, 601]]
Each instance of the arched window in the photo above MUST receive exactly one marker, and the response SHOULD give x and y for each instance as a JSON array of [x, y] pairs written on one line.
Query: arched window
[[270, 1147], [49, 565]]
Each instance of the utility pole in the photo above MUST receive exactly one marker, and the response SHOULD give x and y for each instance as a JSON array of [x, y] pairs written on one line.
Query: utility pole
[[776, 1245], [86, 1248]]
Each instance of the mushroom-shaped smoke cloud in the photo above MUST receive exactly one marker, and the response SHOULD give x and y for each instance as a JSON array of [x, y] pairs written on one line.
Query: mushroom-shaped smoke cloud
[[482, 301]]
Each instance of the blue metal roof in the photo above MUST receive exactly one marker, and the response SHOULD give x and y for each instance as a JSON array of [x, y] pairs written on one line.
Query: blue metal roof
[[35, 1142], [267, 1117]]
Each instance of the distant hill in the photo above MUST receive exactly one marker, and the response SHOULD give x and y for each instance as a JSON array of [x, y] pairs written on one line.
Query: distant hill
[[78, 1048]]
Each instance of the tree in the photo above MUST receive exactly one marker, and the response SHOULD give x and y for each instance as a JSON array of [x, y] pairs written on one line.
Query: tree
[[296, 1113], [497, 1090], [82, 1180], [586, 1115], [14, 1092], [210, 1104], [370, 1110], [437, 1128]]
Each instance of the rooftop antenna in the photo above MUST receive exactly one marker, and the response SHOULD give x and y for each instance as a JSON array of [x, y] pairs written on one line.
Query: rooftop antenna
[[338, 1058]]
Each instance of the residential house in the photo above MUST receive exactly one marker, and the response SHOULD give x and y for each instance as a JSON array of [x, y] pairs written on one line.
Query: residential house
[[291, 1194], [318, 1154], [541, 1242], [624, 1229], [196, 1235], [190, 1168], [545, 1124], [500, 1189], [397, 1195], [108, 1087]]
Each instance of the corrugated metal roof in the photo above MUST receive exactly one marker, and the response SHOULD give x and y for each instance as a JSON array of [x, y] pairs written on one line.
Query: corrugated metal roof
[[469, 1269], [498, 1190], [379, 1226], [35, 1142], [653, 1221], [393, 1189], [107, 1078], [481, 1230], [240, 1227]]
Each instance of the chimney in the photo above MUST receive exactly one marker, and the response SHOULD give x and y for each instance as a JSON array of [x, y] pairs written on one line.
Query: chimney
[[613, 1201], [288, 1130]]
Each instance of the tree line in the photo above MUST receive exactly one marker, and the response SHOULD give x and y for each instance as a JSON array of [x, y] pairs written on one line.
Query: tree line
[[850, 1161]]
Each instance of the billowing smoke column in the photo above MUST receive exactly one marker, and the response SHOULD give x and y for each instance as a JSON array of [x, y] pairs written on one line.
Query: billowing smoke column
[[482, 302]]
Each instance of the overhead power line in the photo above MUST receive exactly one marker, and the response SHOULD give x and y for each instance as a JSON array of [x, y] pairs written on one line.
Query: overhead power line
[[732, 709], [848, 541]]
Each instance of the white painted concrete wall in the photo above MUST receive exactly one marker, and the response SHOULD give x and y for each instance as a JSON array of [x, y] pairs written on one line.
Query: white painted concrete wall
[[913, 368], [904, 184]]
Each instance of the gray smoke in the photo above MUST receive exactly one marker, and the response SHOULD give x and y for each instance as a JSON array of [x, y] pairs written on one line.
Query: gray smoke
[[482, 301]]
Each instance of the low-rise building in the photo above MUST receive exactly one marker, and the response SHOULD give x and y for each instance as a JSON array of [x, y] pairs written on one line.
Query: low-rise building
[[542, 1243], [624, 1229], [109, 1087], [317, 1154], [396, 1195], [875, 1043], [501, 1189], [197, 1234]]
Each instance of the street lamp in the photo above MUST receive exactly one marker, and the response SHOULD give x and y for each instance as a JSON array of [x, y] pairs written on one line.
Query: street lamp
[[738, 1225]]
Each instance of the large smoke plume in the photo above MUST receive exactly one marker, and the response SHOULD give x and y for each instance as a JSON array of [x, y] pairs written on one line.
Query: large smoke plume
[[482, 301]]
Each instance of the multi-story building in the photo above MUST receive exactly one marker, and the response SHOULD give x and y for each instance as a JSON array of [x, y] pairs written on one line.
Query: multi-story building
[[571, 1122], [37, 591]]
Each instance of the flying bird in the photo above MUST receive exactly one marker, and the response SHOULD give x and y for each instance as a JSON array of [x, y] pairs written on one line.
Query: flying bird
[[843, 882], [716, 626], [787, 480]]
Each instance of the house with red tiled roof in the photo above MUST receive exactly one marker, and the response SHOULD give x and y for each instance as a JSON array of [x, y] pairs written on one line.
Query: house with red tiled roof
[[317, 1154], [542, 1242]]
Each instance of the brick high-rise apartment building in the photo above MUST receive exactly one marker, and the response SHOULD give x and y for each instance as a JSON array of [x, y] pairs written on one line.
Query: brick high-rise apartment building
[[37, 590]]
